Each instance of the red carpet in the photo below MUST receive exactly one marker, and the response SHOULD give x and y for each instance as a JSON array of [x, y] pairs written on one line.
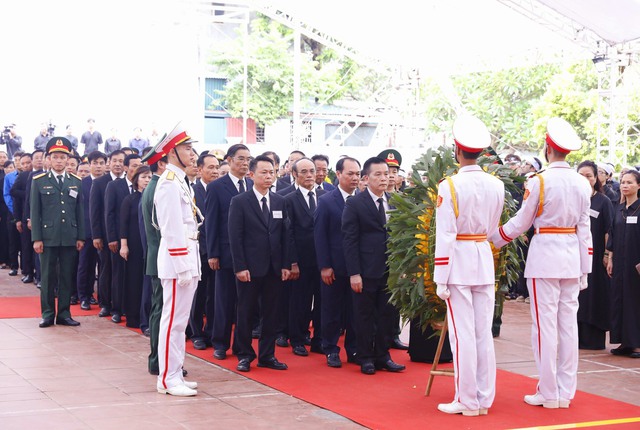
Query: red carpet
[[395, 401]]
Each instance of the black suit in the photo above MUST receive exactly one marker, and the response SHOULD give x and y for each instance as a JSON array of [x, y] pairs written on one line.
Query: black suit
[[262, 248], [26, 216], [217, 202], [114, 195], [365, 250], [99, 231], [18, 192], [282, 183], [88, 255], [204, 299], [305, 291], [286, 190], [337, 308]]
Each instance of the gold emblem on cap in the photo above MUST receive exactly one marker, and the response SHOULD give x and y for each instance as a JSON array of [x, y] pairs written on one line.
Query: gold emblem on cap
[[391, 156], [59, 142]]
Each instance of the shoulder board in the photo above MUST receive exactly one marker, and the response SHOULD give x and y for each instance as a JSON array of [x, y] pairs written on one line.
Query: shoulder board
[[171, 176], [40, 175], [75, 176]]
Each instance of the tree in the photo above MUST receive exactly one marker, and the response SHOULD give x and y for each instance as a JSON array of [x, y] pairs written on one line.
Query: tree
[[325, 75]]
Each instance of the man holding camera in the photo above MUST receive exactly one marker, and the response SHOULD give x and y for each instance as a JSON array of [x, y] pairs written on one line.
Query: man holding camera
[[12, 140]]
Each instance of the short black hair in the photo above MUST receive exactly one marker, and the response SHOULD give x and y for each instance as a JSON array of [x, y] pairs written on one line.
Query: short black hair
[[146, 150], [26, 154], [235, 148], [203, 157], [8, 163], [154, 167], [371, 161], [275, 156], [340, 163], [471, 155], [297, 151], [294, 166], [116, 152], [96, 155], [130, 157], [254, 162], [37, 151], [320, 157]]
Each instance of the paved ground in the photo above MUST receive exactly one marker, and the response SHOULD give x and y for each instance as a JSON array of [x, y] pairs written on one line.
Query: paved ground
[[90, 378]]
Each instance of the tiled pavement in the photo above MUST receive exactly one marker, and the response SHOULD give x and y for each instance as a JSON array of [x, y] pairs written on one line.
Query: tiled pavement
[[92, 377]]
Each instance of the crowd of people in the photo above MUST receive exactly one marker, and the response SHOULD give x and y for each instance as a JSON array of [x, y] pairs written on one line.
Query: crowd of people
[[225, 249]]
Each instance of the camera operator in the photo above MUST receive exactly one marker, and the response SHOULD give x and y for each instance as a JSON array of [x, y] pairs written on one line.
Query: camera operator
[[40, 142], [11, 139]]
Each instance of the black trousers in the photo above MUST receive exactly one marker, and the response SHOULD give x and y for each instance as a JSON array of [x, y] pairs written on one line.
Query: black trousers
[[27, 252], [203, 304], [374, 318], [145, 304], [14, 243], [86, 277], [4, 234], [58, 266], [104, 278], [224, 315], [305, 293], [264, 292], [117, 283], [337, 312]]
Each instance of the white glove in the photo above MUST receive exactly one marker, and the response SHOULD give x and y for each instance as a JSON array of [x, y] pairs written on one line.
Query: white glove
[[443, 291], [584, 282], [184, 278]]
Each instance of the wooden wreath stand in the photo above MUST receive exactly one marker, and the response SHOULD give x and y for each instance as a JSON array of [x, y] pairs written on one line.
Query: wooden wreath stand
[[436, 359]]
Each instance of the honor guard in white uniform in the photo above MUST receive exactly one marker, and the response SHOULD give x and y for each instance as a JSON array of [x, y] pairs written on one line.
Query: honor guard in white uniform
[[556, 201], [178, 262], [468, 210]]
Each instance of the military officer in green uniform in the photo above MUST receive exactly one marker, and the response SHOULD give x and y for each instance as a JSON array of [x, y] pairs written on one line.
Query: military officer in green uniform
[[393, 159], [57, 223]]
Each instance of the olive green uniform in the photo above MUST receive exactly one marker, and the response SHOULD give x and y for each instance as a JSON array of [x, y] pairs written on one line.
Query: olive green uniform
[[57, 220]]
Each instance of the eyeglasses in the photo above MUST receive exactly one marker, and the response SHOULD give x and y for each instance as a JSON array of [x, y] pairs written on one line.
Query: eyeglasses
[[242, 159]]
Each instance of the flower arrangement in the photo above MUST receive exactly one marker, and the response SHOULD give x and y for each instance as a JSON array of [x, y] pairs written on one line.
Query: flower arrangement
[[412, 233]]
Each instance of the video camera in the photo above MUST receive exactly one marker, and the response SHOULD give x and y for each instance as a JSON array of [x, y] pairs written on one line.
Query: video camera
[[51, 129], [6, 135]]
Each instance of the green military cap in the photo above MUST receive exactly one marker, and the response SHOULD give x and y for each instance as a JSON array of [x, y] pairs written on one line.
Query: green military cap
[[392, 157], [59, 144]]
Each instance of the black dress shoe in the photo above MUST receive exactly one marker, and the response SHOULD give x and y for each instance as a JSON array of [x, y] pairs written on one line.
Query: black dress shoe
[[73, 301], [184, 372], [39, 285], [219, 354], [104, 312], [244, 365], [199, 344], [13, 273], [28, 279], [85, 306], [282, 342], [390, 366], [634, 355], [46, 323], [93, 301], [154, 372], [397, 344], [273, 363], [147, 332], [333, 360], [307, 340], [300, 350], [67, 321], [368, 368], [116, 318], [622, 350]]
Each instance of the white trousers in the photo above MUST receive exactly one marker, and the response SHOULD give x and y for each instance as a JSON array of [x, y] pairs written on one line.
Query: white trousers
[[176, 307], [554, 335], [470, 315]]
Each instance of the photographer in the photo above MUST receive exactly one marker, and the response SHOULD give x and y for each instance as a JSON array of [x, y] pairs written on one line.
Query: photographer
[[40, 142], [11, 139]]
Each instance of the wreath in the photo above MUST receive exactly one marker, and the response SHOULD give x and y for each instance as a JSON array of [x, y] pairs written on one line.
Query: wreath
[[412, 232]]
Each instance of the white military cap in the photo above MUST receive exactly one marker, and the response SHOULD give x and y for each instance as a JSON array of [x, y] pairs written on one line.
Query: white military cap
[[470, 134], [561, 136]]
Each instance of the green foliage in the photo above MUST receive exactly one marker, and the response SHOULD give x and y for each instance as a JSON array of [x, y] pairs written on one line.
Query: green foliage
[[324, 77], [412, 236]]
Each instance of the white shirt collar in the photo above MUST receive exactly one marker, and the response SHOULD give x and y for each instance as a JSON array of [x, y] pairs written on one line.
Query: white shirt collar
[[260, 196], [375, 198], [345, 194]]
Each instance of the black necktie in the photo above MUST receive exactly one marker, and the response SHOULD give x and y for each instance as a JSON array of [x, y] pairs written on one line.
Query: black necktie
[[59, 180], [241, 187], [130, 188], [312, 202], [383, 215], [265, 210]]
